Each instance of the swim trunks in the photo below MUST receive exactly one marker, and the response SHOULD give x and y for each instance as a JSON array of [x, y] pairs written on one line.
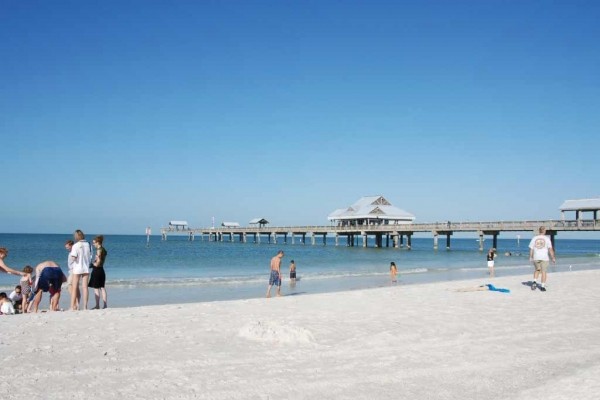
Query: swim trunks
[[293, 275], [274, 279], [51, 280]]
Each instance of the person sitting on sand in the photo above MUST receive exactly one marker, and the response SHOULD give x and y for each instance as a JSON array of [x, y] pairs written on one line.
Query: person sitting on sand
[[3, 266], [17, 298], [393, 272], [49, 279], [483, 288], [6, 306]]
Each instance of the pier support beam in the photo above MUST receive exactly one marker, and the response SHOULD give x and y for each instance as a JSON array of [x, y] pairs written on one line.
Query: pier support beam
[[304, 238], [337, 242], [274, 234], [293, 238], [495, 241], [364, 239], [285, 238], [191, 238], [435, 240], [387, 240], [312, 239], [409, 241], [324, 239], [401, 240], [448, 234], [164, 236], [396, 240], [480, 241]]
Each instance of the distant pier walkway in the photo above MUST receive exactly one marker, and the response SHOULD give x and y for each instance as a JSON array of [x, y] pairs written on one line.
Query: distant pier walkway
[[397, 236]]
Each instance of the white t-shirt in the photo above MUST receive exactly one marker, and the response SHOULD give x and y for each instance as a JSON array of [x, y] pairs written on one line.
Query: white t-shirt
[[13, 296], [7, 308], [81, 254], [70, 262], [540, 245]]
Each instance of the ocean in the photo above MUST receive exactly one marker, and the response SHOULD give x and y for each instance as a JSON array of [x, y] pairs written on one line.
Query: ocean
[[180, 271]]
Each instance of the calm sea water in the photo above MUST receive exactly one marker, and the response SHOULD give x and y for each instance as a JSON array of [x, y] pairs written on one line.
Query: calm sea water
[[178, 270]]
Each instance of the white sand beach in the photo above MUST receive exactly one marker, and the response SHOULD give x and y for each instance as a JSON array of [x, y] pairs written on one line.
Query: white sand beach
[[401, 342]]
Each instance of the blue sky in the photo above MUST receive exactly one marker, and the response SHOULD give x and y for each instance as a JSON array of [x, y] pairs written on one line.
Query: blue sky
[[121, 114]]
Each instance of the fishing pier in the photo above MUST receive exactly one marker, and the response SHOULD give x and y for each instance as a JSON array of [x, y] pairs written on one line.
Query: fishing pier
[[396, 236], [375, 216]]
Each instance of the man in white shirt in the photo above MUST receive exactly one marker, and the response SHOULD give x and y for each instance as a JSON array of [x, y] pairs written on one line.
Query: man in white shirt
[[80, 258], [540, 251], [16, 297]]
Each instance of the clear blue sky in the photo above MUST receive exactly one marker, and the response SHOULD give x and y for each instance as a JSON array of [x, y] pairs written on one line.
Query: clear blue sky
[[115, 115]]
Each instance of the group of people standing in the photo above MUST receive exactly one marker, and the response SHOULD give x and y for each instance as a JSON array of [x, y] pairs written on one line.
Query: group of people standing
[[84, 273]]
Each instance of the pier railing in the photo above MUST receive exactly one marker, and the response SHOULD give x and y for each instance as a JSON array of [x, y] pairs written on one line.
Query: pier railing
[[482, 226]]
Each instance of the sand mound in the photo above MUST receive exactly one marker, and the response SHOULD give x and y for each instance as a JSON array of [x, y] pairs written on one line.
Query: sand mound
[[275, 332]]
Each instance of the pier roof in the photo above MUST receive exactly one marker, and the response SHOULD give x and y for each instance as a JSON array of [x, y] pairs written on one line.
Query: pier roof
[[258, 221], [581, 205], [178, 223], [371, 207]]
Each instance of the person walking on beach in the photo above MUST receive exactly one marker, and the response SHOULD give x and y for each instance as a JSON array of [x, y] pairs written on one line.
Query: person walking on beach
[[70, 262], [491, 256], [393, 272], [98, 276], [275, 277], [81, 256], [540, 252], [292, 272], [5, 268]]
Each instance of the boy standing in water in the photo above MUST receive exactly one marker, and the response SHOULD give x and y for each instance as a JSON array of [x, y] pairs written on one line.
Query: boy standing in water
[[393, 272], [275, 277]]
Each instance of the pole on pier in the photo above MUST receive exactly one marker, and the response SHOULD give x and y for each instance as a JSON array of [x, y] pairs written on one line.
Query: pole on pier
[[337, 243], [401, 240], [293, 238], [495, 241], [274, 237], [304, 238], [324, 239], [285, 238], [312, 238], [395, 237], [480, 241], [364, 239], [409, 241], [387, 240], [448, 234], [435, 240]]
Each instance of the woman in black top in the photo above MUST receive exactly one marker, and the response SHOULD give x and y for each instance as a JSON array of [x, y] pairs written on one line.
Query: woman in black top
[[98, 277]]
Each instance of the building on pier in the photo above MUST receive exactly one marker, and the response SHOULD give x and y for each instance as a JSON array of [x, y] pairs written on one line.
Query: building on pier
[[370, 211], [261, 222], [178, 225], [580, 206]]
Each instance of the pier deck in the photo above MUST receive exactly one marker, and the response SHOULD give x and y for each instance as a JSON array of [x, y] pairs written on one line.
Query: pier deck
[[393, 233]]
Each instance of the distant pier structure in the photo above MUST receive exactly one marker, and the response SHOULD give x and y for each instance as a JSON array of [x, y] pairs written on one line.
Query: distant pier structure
[[376, 217]]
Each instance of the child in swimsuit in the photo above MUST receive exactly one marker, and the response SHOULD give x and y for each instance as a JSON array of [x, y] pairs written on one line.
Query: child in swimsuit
[[26, 283]]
